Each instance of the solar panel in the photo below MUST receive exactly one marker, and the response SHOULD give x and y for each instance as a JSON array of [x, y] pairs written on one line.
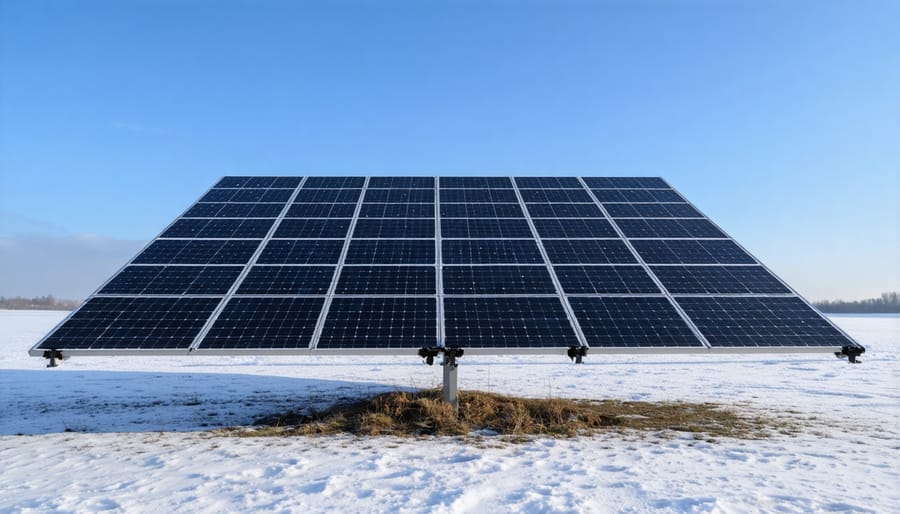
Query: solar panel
[[398, 264]]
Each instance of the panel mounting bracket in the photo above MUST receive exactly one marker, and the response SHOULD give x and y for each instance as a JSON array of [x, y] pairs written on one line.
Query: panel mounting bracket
[[577, 353], [851, 353], [54, 356], [450, 365]]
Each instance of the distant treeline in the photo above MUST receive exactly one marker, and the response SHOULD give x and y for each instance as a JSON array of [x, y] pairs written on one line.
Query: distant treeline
[[48, 302], [889, 303]]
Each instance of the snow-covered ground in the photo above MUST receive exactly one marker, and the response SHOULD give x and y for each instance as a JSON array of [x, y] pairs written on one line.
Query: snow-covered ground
[[129, 434]]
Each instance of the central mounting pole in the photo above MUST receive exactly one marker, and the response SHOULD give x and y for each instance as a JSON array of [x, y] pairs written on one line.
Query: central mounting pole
[[449, 364]]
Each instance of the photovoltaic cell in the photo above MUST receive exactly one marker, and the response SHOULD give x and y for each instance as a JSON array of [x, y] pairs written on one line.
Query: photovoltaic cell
[[719, 280], [555, 195], [481, 210], [605, 280], [334, 182], [686, 251], [327, 195], [473, 322], [312, 228], [235, 210], [391, 251], [478, 196], [321, 210], [476, 228], [548, 182], [287, 280], [617, 322], [488, 251], [564, 210], [475, 183], [651, 210], [384, 280], [219, 228], [668, 228], [401, 182], [302, 251], [368, 322], [399, 196], [173, 280], [167, 251], [394, 228], [588, 251], [760, 321], [625, 182], [257, 323], [573, 228], [397, 210], [469, 280], [133, 323]]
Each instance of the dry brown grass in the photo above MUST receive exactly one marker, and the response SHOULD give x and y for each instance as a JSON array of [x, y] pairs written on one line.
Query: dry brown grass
[[424, 413]]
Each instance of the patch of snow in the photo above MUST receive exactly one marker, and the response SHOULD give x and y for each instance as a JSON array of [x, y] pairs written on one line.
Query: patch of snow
[[128, 434]]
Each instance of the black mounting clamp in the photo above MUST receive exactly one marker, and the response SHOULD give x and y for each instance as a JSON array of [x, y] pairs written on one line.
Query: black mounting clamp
[[450, 354], [851, 353], [54, 356], [576, 353]]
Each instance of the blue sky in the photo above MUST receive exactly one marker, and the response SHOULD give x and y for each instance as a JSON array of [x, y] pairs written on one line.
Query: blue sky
[[781, 120]]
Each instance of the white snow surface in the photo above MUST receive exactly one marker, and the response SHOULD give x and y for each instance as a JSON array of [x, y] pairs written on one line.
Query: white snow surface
[[129, 434]]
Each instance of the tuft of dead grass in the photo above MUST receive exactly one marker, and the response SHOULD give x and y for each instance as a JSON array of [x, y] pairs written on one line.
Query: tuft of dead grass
[[425, 413]]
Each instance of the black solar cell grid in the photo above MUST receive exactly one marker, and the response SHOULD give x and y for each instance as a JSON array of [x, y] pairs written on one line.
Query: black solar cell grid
[[399, 196], [163, 251], [687, 251], [478, 196], [259, 182], [380, 323], [489, 251], [321, 210], [475, 182], [564, 210], [235, 210], [548, 182], [401, 182], [668, 228], [481, 210], [605, 280], [480, 228], [651, 210], [386, 280], [312, 228], [573, 228], [588, 251], [718, 280], [287, 280], [760, 321], [219, 228], [334, 182], [617, 322], [391, 251], [255, 323], [555, 195], [625, 182], [520, 322], [397, 210], [377, 228], [302, 251], [497, 280], [328, 195], [129, 323], [173, 280]]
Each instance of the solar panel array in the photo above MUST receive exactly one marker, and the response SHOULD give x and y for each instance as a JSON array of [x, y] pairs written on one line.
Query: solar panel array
[[490, 264]]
